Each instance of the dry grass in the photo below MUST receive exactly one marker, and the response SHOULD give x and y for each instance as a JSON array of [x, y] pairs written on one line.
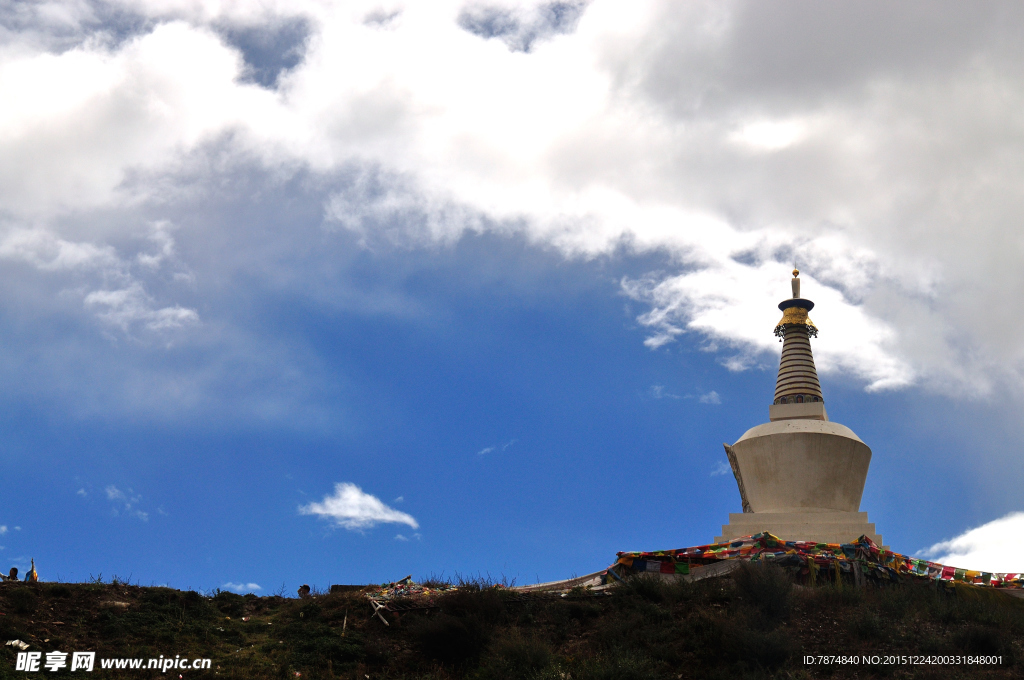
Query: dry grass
[[755, 623]]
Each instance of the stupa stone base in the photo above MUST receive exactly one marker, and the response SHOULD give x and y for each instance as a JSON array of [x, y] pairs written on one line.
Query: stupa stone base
[[820, 527]]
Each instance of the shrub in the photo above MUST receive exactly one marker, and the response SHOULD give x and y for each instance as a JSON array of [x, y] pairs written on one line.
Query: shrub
[[628, 666], [647, 587], [579, 611], [230, 604], [58, 590], [767, 650], [449, 639], [435, 581], [765, 586], [316, 645], [844, 596], [868, 626], [985, 641], [515, 656], [486, 606], [310, 611], [10, 630], [191, 597], [23, 601], [110, 625]]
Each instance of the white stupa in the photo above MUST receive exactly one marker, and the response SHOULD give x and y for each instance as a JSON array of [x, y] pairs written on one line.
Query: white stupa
[[800, 476]]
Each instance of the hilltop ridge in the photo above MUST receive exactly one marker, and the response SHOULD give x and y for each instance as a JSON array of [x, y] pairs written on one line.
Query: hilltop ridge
[[752, 623]]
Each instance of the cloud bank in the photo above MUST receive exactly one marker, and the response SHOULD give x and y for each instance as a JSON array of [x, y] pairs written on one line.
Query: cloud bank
[[875, 146], [992, 547], [242, 588], [352, 508]]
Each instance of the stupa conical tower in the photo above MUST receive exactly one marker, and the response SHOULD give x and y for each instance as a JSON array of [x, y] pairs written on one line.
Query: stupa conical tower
[[800, 476]]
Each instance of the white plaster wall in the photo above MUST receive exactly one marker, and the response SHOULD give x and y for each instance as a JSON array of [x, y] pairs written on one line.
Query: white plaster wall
[[802, 466]]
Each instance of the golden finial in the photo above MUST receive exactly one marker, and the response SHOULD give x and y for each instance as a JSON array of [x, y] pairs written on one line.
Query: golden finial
[[796, 273]]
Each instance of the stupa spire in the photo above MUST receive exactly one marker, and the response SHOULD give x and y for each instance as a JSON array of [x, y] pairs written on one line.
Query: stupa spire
[[800, 476], [797, 382]]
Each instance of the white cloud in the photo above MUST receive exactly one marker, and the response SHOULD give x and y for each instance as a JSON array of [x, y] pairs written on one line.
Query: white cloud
[[77, 123], [722, 468], [736, 305], [124, 503], [710, 398], [491, 449], [129, 306], [352, 508], [3, 529], [658, 392], [115, 494], [770, 135], [997, 546], [723, 135], [51, 253], [242, 588], [125, 304]]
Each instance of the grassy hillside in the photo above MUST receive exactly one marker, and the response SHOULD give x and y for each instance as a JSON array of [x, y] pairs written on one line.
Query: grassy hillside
[[753, 623]]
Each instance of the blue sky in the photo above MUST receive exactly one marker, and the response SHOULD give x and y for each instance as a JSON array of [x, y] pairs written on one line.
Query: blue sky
[[505, 272]]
